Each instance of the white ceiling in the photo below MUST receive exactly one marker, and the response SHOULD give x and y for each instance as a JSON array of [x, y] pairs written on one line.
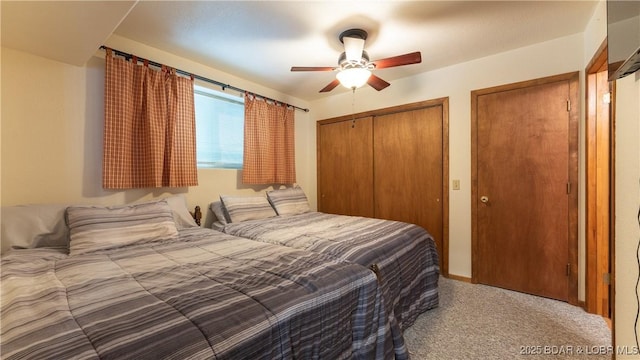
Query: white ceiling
[[261, 40], [66, 31]]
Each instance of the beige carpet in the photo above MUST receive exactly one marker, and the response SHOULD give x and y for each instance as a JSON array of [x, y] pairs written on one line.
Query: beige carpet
[[484, 322]]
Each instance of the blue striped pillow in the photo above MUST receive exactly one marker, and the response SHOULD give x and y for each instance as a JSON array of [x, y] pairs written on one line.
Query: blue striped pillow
[[289, 201], [93, 228], [243, 208]]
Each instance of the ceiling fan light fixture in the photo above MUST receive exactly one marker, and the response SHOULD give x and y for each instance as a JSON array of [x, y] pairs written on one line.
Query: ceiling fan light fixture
[[353, 78], [354, 66]]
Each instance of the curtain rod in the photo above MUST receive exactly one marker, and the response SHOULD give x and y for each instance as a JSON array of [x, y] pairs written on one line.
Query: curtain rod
[[202, 78]]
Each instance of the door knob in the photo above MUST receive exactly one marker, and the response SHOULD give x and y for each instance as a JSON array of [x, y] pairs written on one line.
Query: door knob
[[484, 199]]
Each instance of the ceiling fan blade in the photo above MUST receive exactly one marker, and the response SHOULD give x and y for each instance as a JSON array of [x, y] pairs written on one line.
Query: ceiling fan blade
[[377, 83], [330, 86], [312, 68], [353, 48], [406, 59]]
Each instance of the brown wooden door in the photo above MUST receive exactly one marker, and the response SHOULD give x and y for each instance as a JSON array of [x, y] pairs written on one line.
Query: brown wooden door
[[345, 167], [408, 163], [522, 211]]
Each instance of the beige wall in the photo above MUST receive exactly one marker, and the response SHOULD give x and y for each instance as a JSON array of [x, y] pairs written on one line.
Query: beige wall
[[52, 125], [627, 190], [52, 117], [627, 187]]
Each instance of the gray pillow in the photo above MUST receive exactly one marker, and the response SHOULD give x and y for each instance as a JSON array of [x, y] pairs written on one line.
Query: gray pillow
[[32, 226], [218, 211]]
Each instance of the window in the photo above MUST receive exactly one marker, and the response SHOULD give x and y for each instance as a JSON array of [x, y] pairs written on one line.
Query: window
[[219, 128]]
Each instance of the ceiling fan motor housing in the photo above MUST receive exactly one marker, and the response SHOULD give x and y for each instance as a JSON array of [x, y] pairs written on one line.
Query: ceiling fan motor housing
[[354, 33], [344, 63]]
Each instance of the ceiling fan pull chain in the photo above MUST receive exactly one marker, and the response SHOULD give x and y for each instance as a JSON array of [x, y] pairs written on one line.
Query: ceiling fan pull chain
[[353, 108]]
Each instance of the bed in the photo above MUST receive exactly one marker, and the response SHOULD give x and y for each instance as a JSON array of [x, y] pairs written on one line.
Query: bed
[[403, 255], [132, 282]]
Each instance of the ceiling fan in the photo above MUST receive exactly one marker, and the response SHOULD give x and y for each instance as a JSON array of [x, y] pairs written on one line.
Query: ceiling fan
[[354, 67]]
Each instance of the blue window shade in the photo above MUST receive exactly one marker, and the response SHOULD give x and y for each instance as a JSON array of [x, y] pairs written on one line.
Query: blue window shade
[[219, 129]]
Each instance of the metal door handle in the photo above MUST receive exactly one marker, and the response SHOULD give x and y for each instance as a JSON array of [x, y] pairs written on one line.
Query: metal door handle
[[484, 199]]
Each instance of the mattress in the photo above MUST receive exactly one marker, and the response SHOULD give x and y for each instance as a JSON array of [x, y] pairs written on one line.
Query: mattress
[[201, 295], [403, 255]]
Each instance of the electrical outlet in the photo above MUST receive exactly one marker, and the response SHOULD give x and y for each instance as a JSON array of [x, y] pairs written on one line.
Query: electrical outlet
[[456, 184]]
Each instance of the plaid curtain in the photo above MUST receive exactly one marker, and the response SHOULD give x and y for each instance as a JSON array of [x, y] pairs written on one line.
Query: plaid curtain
[[269, 156], [149, 128]]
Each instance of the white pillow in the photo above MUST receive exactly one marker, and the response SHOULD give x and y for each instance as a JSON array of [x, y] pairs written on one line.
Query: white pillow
[[243, 208], [289, 201], [93, 228], [43, 225], [32, 226], [181, 214]]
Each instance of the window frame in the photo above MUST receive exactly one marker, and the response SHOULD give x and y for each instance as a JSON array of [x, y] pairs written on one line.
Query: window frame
[[217, 95]]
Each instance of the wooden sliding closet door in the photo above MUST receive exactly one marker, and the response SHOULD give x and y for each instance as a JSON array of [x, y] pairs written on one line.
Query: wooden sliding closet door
[[408, 169], [389, 163], [345, 167]]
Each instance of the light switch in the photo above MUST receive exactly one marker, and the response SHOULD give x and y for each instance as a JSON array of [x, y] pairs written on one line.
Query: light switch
[[456, 184]]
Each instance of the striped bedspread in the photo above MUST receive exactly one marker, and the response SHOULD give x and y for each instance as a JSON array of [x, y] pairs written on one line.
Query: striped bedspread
[[405, 254], [203, 295]]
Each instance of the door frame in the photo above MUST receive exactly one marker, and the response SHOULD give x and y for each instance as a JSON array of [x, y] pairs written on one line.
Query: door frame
[[598, 61], [573, 79], [593, 243], [444, 102]]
